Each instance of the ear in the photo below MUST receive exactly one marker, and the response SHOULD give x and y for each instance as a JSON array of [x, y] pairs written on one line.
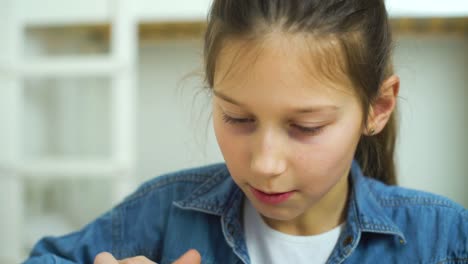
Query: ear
[[382, 106]]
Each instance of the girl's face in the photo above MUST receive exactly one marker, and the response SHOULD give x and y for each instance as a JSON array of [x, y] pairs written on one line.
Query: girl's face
[[288, 139]]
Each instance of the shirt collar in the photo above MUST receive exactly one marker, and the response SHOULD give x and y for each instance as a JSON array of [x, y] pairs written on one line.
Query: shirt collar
[[365, 209], [219, 195], [215, 196]]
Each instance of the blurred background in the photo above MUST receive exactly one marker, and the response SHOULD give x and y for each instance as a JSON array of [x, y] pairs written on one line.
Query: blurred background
[[97, 96]]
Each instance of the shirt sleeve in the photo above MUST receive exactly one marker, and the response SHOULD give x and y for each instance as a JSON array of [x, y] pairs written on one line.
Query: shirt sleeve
[[78, 247]]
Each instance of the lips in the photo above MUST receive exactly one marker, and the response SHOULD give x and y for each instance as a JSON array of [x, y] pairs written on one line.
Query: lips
[[271, 198]]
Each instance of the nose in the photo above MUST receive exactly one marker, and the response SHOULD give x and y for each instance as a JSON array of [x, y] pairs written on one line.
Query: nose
[[268, 154]]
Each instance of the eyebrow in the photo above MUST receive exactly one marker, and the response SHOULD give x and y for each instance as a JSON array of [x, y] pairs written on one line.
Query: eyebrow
[[226, 98], [315, 109]]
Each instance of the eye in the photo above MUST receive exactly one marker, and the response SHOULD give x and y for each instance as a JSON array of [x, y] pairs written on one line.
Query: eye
[[232, 120], [308, 130]]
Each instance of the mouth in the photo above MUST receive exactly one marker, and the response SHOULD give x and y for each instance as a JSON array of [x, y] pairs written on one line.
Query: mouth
[[271, 198]]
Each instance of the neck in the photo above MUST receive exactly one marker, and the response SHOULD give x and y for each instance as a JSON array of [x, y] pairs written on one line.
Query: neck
[[328, 213]]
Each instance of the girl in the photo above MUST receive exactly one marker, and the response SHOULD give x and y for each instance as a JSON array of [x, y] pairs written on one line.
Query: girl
[[303, 96]]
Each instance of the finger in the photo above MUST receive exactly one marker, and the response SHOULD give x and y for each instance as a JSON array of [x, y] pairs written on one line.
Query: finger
[[190, 257], [105, 258], [136, 260]]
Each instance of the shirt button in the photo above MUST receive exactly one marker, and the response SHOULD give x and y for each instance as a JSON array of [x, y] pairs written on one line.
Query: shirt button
[[347, 241]]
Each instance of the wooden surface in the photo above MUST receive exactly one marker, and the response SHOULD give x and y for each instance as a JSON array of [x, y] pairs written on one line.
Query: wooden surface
[[194, 30]]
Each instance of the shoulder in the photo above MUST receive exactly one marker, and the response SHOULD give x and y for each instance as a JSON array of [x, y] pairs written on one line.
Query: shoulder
[[424, 217], [141, 222], [396, 197], [178, 184]]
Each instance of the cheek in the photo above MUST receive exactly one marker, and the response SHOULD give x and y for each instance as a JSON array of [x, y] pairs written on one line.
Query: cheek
[[221, 135], [340, 143], [332, 148], [234, 151], [232, 146], [324, 163]]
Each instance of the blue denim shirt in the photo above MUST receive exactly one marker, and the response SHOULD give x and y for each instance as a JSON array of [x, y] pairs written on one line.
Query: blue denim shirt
[[201, 208]]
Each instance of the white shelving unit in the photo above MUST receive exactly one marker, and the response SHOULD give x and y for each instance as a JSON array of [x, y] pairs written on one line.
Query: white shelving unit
[[61, 167], [16, 169], [70, 67]]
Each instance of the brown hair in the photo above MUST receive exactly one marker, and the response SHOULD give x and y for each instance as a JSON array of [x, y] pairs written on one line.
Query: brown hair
[[362, 30]]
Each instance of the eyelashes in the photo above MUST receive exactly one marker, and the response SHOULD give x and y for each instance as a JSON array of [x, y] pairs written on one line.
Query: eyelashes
[[250, 121], [309, 130], [231, 120]]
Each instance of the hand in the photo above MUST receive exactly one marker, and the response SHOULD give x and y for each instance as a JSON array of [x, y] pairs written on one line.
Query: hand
[[190, 257]]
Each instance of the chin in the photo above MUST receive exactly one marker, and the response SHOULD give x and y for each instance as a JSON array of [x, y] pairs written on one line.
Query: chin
[[277, 213]]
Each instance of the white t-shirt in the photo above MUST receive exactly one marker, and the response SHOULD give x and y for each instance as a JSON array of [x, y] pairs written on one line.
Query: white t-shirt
[[266, 245]]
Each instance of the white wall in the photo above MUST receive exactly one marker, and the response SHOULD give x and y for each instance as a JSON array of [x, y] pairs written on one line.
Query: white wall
[[174, 131], [424, 8], [91, 11], [433, 147]]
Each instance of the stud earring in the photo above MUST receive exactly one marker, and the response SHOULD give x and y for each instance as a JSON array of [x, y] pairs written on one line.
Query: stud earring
[[371, 131]]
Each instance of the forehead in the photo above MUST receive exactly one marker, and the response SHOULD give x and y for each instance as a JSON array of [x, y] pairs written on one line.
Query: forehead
[[285, 64]]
